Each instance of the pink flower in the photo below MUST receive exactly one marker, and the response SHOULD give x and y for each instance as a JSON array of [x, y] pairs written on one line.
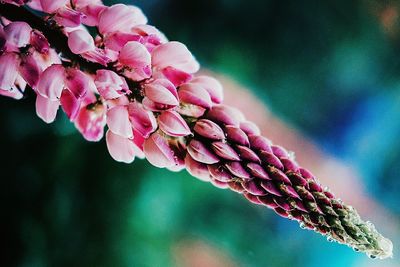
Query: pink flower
[[46, 109], [81, 42], [118, 121], [195, 94], [158, 152], [8, 70], [143, 121], [160, 94], [91, 118], [120, 18], [91, 9], [110, 85], [173, 124], [136, 61], [212, 86], [17, 34]]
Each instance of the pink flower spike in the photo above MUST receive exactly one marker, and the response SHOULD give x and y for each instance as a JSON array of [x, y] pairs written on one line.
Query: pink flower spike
[[158, 152], [162, 91], [91, 121], [17, 35], [110, 85], [213, 87], [70, 104], [80, 41], [8, 70], [51, 82], [118, 121], [143, 121], [176, 55], [138, 60], [50, 6], [46, 109], [121, 18], [194, 94], [79, 82], [120, 148], [173, 124]]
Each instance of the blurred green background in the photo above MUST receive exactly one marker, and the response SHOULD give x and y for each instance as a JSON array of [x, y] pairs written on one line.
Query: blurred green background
[[328, 68]]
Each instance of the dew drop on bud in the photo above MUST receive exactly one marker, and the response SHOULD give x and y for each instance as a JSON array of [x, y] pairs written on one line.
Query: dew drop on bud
[[356, 249], [302, 225], [372, 256], [329, 238]]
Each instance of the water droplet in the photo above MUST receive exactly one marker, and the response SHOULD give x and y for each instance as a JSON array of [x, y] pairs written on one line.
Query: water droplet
[[302, 225], [372, 256], [329, 238], [326, 189], [290, 217], [356, 249]]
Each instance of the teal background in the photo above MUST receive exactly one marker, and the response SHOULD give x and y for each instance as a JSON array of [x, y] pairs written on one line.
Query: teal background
[[328, 68]]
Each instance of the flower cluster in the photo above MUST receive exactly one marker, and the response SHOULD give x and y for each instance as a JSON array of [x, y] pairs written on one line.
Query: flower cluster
[[144, 90]]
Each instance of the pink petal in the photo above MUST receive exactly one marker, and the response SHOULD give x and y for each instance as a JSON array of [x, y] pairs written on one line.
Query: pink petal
[[225, 151], [199, 152], [176, 55], [110, 85], [173, 124], [158, 152], [98, 56], [17, 34], [120, 148], [79, 82], [117, 40], [236, 135], [143, 121], [162, 91], [209, 129], [226, 115], [121, 18], [80, 41], [50, 6], [91, 121], [177, 77], [194, 94], [118, 121], [92, 12], [213, 87], [70, 104], [249, 128], [197, 169], [39, 42], [8, 70], [30, 70], [148, 30], [46, 109], [68, 17], [51, 82], [136, 57]]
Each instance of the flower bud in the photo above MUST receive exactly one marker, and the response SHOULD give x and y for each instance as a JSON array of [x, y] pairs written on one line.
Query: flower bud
[[209, 129], [194, 94], [199, 152], [173, 124], [212, 86], [225, 151], [158, 152]]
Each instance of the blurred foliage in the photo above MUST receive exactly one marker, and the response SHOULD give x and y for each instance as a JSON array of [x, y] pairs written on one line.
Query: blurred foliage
[[330, 68]]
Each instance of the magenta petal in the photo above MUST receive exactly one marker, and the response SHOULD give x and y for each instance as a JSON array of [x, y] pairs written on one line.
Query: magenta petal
[[236, 135], [70, 104], [177, 77], [162, 91], [50, 6], [120, 148], [91, 121], [137, 59], [219, 173], [46, 109], [289, 165], [79, 82], [51, 82], [260, 143], [213, 87], [209, 129], [225, 151], [194, 94], [17, 34], [279, 151], [68, 17], [278, 175], [254, 188], [197, 169], [271, 159], [247, 154], [236, 169], [171, 123], [158, 152], [249, 128], [30, 70], [117, 40], [199, 152], [142, 120], [258, 171], [8, 70], [118, 121], [271, 188]]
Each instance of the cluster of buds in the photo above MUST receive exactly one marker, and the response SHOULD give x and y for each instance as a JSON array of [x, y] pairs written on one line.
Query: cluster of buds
[[144, 90]]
